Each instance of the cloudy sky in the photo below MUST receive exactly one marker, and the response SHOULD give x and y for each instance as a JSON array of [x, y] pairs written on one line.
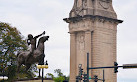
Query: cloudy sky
[[35, 16]]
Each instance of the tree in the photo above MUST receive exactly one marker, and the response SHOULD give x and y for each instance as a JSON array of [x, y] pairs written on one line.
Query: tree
[[11, 41], [58, 71], [49, 75], [60, 77]]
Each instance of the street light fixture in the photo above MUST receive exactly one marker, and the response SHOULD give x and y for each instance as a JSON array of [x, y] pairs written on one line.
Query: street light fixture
[[127, 66], [42, 67], [3, 78]]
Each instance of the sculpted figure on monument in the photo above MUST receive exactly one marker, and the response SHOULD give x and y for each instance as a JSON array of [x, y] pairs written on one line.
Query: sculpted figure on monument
[[34, 55]]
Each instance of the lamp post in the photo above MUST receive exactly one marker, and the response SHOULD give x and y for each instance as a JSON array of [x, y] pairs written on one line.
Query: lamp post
[[42, 67]]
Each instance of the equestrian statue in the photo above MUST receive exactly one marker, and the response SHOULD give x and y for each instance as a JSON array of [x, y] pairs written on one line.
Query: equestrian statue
[[35, 54]]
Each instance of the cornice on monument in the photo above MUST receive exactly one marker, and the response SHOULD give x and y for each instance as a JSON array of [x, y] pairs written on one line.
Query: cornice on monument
[[92, 17], [92, 9]]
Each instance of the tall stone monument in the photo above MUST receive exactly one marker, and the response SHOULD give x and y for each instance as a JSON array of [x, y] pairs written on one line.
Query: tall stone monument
[[93, 29]]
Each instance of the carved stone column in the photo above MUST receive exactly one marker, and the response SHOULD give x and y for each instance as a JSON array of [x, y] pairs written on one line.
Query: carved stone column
[[73, 57]]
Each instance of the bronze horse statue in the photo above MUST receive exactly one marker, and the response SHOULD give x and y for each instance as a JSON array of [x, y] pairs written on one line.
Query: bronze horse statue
[[35, 57]]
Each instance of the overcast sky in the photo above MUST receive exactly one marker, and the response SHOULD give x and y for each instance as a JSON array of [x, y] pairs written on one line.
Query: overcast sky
[[36, 16]]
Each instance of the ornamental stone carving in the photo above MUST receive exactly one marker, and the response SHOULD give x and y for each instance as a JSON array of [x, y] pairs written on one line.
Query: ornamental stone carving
[[93, 7], [105, 3]]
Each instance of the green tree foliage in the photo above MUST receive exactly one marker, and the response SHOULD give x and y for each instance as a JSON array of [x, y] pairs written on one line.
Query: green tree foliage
[[49, 75], [11, 41], [60, 77], [58, 71]]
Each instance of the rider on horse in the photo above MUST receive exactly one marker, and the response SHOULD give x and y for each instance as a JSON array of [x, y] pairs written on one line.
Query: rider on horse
[[32, 40]]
